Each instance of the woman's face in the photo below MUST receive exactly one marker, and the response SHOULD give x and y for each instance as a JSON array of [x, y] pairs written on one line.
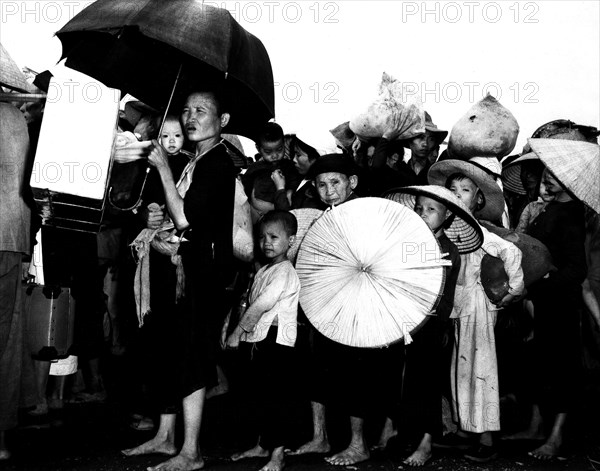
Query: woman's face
[[200, 118], [334, 188], [302, 162]]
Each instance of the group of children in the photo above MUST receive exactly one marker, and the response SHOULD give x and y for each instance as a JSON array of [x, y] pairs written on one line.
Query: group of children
[[459, 195]]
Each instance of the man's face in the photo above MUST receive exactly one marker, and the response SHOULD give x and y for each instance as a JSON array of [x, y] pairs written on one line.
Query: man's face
[[422, 145], [272, 151], [200, 118], [334, 188]]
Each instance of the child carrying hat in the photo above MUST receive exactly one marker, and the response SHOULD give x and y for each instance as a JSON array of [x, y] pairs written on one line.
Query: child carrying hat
[[474, 370], [457, 232]]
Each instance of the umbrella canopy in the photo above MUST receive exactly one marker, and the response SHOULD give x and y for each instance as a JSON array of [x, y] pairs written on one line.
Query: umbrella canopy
[[139, 46], [576, 164], [371, 271]]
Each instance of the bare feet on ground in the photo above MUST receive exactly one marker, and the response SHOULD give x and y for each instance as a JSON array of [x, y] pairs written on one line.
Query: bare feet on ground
[[314, 446], [152, 446], [179, 463], [547, 451], [277, 461], [418, 458], [4, 455], [349, 456], [256, 452]]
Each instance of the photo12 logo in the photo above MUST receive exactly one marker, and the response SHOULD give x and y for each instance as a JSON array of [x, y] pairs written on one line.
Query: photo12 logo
[[454, 92], [41, 11], [289, 12], [470, 12]]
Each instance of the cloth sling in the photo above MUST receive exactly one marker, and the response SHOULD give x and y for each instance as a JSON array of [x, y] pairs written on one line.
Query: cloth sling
[[165, 241]]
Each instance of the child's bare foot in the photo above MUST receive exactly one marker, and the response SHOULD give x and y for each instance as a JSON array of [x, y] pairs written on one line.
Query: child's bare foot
[[4, 455], [349, 456], [418, 458], [256, 452], [547, 451], [155, 445], [180, 462], [277, 461], [387, 433], [422, 454], [314, 446]]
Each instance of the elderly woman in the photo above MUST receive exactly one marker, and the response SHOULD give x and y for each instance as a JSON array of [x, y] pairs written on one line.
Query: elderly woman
[[200, 206]]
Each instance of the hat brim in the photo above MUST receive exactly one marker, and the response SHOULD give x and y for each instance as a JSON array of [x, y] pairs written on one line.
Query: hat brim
[[464, 232], [494, 199], [511, 173], [438, 134]]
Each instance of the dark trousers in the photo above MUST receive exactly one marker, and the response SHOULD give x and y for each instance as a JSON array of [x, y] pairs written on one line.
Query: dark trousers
[[270, 381]]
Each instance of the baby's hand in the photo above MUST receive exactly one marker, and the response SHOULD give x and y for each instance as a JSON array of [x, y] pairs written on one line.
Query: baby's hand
[[278, 179], [155, 217]]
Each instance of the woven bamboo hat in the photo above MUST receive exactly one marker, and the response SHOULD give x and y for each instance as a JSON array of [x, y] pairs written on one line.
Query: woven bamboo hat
[[306, 217], [464, 232], [557, 129], [576, 164], [476, 169]]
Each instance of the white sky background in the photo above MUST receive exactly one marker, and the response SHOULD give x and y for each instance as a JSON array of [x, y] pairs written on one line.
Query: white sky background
[[541, 59]]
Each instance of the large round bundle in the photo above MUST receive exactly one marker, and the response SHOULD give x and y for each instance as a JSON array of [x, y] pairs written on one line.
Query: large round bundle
[[488, 129], [536, 262]]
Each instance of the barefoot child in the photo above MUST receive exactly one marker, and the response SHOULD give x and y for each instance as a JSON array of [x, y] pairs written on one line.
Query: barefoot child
[[266, 333], [474, 370], [457, 233]]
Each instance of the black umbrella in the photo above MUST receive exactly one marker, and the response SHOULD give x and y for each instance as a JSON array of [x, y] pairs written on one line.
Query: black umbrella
[[142, 46]]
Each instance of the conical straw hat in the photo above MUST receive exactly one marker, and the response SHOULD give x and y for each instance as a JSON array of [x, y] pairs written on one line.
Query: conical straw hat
[[305, 218], [371, 272], [576, 164], [464, 232], [483, 177]]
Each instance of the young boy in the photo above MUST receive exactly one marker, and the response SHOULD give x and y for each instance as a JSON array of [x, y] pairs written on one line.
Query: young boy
[[474, 370], [259, 178], [457, 232], [266, 334]]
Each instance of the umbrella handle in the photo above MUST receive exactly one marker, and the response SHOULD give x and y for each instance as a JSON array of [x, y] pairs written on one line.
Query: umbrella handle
[[162, 124], [139, 200]]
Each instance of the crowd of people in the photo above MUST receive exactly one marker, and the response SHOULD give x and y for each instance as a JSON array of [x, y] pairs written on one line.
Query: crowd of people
[[174, 306]]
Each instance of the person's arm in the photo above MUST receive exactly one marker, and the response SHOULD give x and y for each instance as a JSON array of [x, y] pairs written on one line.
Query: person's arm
[[511, 256], [159, 159], [524, 219], [282, 199], [381, 154], [264, 302]]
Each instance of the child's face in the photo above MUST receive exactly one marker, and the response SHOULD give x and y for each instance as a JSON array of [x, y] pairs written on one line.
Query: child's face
[[432, 212], [553, 186], [172, 137], [467, 192], [274, 241], [271, 151], [546, 197]]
